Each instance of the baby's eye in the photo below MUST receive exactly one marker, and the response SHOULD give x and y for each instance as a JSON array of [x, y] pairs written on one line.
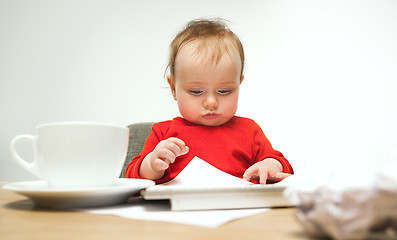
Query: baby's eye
[[196, 92], [224, 91]]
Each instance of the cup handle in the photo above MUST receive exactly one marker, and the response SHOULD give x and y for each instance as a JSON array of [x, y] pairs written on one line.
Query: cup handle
[[30, 166]]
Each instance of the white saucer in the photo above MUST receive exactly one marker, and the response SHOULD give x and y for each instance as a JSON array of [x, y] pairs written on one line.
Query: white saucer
[[45, 196]]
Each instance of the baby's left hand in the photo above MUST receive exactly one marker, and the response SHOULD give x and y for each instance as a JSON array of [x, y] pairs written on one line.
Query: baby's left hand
[[267, 170]]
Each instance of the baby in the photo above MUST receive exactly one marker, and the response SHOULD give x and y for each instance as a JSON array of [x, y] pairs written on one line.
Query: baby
[[206, 69]]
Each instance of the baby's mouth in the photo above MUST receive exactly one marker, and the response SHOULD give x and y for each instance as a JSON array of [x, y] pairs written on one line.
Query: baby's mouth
[[210, 115]]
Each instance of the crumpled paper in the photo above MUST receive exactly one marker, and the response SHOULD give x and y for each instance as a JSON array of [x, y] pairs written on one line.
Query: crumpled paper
[[348, 203]]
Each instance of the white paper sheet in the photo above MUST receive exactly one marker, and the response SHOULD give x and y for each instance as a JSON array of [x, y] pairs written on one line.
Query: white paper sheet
[[192, 176], [161, 211]]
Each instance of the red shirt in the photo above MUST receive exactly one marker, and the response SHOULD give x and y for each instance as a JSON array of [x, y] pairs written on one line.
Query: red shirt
[[232, 147]]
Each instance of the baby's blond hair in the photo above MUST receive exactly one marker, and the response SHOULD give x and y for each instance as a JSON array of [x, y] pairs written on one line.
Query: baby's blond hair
[[212, 35]]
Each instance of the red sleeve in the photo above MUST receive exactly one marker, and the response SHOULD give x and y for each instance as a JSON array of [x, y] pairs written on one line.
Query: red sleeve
[[156, 135], [265, 150]]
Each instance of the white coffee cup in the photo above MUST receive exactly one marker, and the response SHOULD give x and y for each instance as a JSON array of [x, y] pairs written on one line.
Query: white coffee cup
[[75, 154]]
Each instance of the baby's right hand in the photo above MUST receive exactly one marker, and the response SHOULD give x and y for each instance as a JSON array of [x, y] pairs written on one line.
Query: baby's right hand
[[165, 153]]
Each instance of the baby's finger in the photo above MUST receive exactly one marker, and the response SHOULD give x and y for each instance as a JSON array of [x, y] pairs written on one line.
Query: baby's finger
[[160, 165], [166, 155], [176, 150], [263, 175], [249, 173], [277, 177], [282, 175], [183, 149]]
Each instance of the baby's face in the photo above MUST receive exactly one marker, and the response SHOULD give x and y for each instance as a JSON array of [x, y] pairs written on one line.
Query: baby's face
[[206, 93]]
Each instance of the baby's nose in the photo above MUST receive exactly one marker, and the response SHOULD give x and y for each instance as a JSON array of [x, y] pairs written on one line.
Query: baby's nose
[[210, 102]]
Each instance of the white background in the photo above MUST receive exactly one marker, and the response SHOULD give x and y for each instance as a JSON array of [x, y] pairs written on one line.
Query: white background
[[320, 77]]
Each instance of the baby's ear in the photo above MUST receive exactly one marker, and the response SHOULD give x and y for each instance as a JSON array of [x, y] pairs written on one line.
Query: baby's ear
[[171, 82]]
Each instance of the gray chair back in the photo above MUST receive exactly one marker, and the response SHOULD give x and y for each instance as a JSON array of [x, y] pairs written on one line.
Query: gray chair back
[[138, 134]]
